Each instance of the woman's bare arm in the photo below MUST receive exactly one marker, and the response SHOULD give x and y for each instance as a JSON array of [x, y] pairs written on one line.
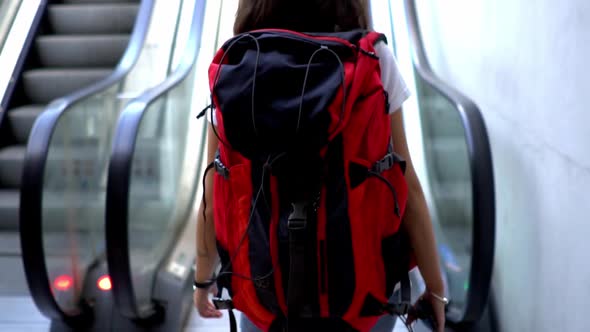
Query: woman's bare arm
[[207, 258], [417, 219]]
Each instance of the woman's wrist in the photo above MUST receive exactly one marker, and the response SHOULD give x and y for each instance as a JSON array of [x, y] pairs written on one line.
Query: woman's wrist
[[203, 284], [436, 288], [439, 297], [205, 270], [204, 279], [204, 276]]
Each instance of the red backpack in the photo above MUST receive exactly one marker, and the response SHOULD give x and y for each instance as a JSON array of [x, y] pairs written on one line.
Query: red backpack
[[308, 193]]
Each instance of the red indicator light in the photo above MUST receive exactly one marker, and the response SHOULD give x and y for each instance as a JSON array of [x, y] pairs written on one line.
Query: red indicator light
[[104, 283], [63, 283]]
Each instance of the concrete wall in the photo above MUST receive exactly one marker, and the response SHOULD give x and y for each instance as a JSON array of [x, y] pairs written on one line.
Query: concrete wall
[[527, 65]]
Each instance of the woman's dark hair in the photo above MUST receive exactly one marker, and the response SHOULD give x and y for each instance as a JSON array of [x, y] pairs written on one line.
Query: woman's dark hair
[[302, 15]]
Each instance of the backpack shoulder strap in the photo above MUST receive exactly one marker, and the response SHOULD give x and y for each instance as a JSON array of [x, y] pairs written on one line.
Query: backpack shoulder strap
[[373, 37]]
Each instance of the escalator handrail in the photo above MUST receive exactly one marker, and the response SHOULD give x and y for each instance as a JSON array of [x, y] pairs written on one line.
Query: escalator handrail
[[480, 161], [119, 176], [20, 63], [31, 199]]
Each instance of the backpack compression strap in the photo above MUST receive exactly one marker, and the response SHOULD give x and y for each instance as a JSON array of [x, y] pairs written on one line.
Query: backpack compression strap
[[403, 306], [297, 225], [226, 304]]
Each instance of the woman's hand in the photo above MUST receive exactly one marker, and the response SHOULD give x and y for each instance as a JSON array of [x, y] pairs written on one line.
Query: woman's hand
[[203, 305], [438, 311]]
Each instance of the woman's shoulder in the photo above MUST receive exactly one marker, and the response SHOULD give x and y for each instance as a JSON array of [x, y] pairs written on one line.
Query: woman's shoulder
[[387, 60], [391, 77], [382, 46], [384, 52]]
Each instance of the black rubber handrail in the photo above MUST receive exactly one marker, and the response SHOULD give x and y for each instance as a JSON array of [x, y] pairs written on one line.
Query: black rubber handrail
[[119, 177], [31, 196], [482, 176], [20, 63]]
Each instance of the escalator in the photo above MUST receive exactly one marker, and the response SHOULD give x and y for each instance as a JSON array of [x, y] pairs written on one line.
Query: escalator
[[64, 165], [70, 45]]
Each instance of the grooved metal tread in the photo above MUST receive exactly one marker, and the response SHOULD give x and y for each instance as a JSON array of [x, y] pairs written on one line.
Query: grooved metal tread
[[46, 84], [11, 165], [21, 121], [92, 18], [80, 51], [9, 205]]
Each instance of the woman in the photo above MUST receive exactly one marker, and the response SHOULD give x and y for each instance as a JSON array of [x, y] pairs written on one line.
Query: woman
[[330, 16]]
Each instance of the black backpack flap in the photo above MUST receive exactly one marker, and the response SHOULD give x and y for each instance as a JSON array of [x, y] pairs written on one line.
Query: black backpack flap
[[274, 89]]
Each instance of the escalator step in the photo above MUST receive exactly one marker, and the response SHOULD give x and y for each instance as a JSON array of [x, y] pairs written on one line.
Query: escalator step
[[90, 18], [9, 236], [81, 51], [441, 119], [9, 204], [21, 120], [454, 201], [44, 85], [11, 165], [450, 158]]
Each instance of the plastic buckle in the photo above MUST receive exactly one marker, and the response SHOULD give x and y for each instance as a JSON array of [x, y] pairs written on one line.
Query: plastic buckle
[[223, 304], [221, 169], [298, 218], [384, 164]]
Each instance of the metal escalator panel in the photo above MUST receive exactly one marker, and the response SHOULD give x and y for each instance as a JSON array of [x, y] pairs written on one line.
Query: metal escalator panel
[[19, 23], [59, 119], [152, 181]]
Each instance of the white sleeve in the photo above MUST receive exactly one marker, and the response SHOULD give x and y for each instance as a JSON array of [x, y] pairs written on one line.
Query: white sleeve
[[211, 114], [392, 79], [214, 122]]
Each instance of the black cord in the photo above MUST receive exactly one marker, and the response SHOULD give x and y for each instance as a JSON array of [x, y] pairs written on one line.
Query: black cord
[[204, 199], [343, 84], [218, 73], [268, 165], [391, 188], [405, 322], [224, 269]]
